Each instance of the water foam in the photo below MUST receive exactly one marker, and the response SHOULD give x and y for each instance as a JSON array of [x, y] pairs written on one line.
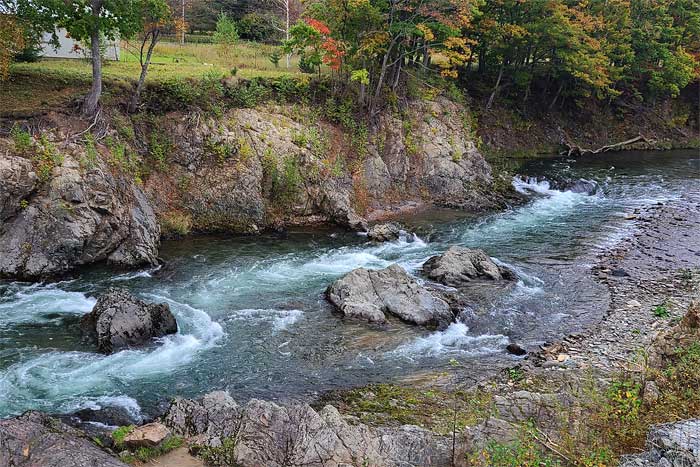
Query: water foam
[[280, 319], [453, 340], [54, 379], [40, 303]]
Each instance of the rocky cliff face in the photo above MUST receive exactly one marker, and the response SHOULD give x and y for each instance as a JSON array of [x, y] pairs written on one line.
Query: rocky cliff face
[[60, 214], [240, 171], [254, 169]]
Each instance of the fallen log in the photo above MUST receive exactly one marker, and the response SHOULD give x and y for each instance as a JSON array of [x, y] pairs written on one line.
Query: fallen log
[[575, 150]]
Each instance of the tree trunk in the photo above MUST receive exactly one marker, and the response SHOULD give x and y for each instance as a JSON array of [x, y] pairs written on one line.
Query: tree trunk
[[397, 76], [144, 70], [495, 88], [286, 27], [92, 101], [556, 96]]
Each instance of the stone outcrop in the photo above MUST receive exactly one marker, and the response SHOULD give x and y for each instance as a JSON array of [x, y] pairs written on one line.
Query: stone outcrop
[[80, 215], [268, 167], [367, 295], [669, 445], [428, 151], [384, 232], [37, 440], [119, 320], [265, 433], [459, 266], [682, 335]]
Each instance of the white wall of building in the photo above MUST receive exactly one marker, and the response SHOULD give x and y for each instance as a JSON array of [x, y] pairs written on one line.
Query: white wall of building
[[67, 47]]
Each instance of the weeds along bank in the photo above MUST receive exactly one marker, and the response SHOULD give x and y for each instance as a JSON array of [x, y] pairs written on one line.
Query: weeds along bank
[[224, 156]]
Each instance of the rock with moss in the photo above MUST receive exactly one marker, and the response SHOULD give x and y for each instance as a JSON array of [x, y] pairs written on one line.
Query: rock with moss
[[119, 320], [368, 295], [71, 216]]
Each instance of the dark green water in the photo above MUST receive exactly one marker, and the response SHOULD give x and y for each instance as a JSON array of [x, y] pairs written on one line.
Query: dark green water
[[253, 319]]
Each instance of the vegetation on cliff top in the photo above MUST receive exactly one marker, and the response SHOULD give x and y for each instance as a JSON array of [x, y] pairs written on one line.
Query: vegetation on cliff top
[[556, 51]]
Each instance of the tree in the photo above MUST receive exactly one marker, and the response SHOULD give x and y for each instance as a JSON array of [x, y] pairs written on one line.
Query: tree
[[155, 15], [88, 20], [11, 42], [226, 36], [290, 11]]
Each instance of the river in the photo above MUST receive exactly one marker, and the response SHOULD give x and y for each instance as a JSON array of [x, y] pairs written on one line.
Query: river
[[253, 319]]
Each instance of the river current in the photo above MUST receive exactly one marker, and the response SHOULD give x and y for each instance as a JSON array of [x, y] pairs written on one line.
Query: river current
[[253, 319]]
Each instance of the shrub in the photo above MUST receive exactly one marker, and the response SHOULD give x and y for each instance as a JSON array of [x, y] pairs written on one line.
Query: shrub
[[259, 27], [175, 224], [46, 159], [21, 140], [226, 36]]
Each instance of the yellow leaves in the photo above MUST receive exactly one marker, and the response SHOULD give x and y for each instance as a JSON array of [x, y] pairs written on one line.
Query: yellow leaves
[[514, 31], [374, 43], [357, 4], [11, 42], [425, 32]]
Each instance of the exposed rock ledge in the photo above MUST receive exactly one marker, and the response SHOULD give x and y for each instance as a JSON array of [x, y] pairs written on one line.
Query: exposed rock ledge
[[77, 217], [273, 435]]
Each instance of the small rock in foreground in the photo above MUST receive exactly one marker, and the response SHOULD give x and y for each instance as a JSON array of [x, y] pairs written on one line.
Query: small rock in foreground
[[148, 436], [515, 349]]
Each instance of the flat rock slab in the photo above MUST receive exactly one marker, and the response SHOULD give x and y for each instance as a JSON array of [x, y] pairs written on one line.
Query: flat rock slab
[[149, 436], [368, 295]]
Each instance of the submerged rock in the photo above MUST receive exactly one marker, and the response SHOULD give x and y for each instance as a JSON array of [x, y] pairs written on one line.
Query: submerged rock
[[38, 440], [295, 434], [120, 320], [459, 266], [368, 295], [588, 187], [384, 232], [75, 216]]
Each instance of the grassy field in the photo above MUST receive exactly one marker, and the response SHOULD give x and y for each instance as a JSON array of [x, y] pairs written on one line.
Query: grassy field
[[51, 82]]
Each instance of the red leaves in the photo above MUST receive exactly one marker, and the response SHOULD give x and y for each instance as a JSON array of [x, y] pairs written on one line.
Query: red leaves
[[332, 49], [333, 56], [319, 26]]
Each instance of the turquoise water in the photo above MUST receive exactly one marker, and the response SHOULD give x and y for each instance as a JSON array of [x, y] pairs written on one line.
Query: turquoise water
[[253, 319]]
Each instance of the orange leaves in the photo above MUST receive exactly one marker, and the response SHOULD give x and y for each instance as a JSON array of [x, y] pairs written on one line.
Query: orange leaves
[[319, 26]]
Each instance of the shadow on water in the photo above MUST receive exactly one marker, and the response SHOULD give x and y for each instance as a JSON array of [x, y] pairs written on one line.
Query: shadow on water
[[253, 319]]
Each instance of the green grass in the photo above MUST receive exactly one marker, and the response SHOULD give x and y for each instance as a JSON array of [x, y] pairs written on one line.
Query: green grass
[[51, 83], [172, 61]]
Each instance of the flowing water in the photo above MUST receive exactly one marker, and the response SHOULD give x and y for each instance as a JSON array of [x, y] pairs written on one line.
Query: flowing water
[[253, 319]]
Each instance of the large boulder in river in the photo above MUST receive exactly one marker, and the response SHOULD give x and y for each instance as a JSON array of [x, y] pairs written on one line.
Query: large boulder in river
[[459, 266], [73, 214], [120, 320], [384, 232], [37, 440], [367, 295]]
